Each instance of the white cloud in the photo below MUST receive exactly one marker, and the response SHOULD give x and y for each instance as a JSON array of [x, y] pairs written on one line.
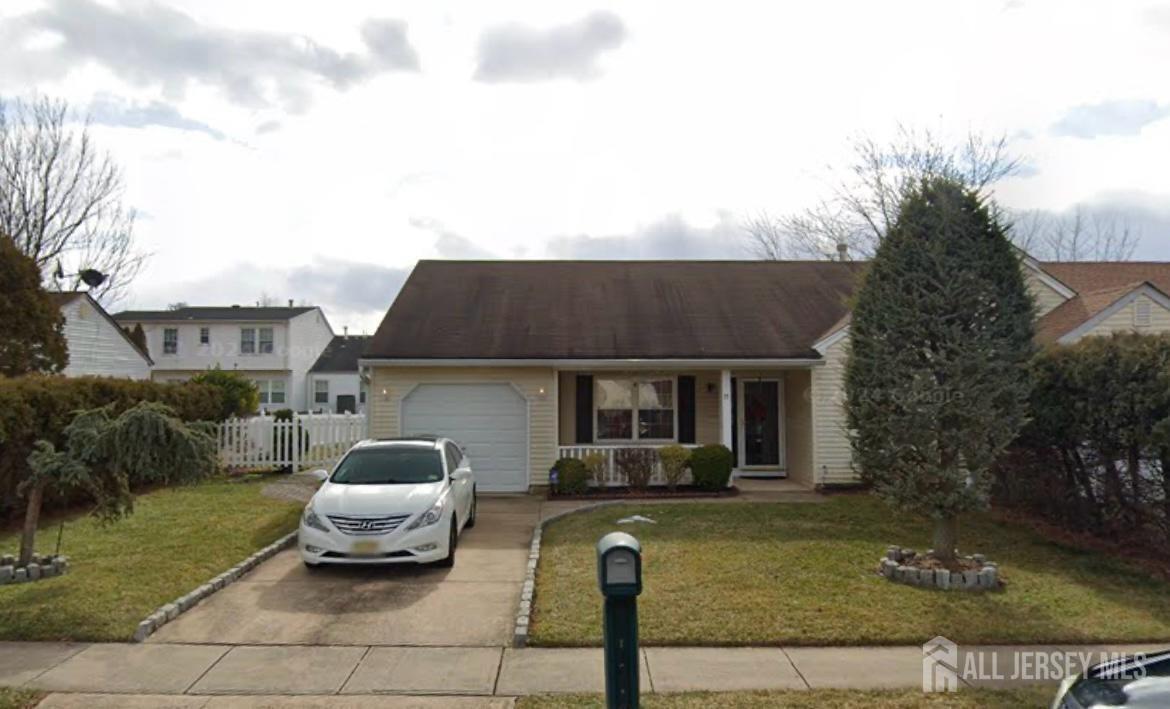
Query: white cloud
[[515, 52]]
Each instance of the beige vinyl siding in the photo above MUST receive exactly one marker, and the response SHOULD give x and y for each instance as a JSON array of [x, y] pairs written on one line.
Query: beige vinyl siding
[[1123, 320], [707, 406], [832, 456], [1047, 297], [567, 394], [389, 385], [798, 424]]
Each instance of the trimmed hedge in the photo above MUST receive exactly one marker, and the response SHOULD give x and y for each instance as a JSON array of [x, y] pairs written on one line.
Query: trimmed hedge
[[572, 477], [1096, 456], [41, 406], [711, 466]]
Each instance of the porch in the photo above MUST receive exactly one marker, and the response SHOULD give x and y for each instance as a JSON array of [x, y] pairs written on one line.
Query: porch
[[764, 416]]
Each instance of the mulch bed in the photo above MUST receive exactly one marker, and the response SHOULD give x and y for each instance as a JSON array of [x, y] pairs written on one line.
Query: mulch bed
[[651, 493]]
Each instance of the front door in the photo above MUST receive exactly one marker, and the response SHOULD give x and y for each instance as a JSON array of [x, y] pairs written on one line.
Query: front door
[[761, 423]]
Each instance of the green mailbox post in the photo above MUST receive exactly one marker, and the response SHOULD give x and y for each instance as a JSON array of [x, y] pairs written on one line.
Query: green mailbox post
[[619, 575]]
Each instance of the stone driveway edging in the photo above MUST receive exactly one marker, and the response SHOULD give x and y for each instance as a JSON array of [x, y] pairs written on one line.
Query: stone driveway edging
[[169, 611], [528, 590]]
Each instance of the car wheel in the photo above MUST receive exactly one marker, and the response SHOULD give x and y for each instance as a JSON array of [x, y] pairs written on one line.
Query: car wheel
[[449, 560], [471, 517]]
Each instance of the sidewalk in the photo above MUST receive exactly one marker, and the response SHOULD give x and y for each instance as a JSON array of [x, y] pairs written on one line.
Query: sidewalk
[[197, 671]]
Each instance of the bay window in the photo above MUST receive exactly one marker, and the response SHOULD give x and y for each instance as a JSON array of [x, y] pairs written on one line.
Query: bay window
[[634, 409]]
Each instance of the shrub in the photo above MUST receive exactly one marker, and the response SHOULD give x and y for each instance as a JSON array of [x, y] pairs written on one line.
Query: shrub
[[239, 395], [572, 477], [105, 455], [282, 438], [674, 464], [1096, 454], [711, 466], [40, 407], [637, 465], [596, 465]]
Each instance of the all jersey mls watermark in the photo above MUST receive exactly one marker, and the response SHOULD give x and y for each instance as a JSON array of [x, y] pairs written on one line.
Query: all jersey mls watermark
[[946, 667]]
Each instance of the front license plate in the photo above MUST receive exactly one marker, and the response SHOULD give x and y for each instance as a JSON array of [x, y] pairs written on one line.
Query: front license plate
[[365, 548]]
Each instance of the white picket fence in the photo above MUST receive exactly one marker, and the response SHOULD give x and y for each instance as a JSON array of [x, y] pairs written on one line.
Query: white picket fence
[[613, 477], [264, 442]]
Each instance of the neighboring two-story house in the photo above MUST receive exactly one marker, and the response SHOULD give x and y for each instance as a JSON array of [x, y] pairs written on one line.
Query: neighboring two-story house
[[96, 345], [274, 346], [335, 382]]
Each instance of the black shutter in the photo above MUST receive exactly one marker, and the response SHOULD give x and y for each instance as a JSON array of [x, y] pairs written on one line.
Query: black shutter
[[734, 423], [584, 408], [686, 409]]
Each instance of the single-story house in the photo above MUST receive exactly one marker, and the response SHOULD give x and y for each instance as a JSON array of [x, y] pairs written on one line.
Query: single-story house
[[335, 384], [97, 345], [525, 362]]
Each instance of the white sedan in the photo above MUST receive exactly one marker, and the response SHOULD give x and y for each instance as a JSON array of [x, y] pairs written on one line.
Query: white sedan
[[390, 501]]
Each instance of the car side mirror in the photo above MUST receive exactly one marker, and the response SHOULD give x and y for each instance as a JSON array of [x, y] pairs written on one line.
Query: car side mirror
[[320, 475]]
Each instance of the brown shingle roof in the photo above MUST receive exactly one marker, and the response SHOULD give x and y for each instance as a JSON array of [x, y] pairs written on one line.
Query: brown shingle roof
[[1078, 310], [1091, 276], [614, 309]]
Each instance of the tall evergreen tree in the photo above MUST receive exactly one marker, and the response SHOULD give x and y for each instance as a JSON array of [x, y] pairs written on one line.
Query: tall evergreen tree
[[937, 378], [31, 337]]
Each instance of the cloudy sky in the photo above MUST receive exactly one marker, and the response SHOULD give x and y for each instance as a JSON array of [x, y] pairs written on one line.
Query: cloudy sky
[[315, 151]]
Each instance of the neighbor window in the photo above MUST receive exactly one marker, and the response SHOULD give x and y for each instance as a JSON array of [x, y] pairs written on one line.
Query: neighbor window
[[170, 340], [362, 396], [265, 340], [634, 409], [248, 340], [204, 335], [271, 390], [321, 391]]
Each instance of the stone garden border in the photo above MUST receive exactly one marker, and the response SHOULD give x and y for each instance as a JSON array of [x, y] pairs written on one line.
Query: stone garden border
[[43, 566], [894, 566], [169, 611], [528, 589]]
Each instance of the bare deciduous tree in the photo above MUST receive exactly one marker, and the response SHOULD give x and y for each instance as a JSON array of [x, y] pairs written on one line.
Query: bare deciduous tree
[[764, 236], [61, 198], [866, 198], [1081, 235]]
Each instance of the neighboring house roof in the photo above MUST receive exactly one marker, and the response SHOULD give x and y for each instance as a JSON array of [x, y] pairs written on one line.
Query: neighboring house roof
[[1091, 276], [1084, 308], [341, 354], [227, 313], [614, 310], [64, 298]]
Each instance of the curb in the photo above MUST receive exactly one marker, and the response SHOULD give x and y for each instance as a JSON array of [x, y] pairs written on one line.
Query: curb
[[528, 589], [169, 611]]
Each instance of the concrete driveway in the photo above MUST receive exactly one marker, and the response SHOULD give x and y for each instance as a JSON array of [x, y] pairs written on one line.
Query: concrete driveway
[[473, 604]]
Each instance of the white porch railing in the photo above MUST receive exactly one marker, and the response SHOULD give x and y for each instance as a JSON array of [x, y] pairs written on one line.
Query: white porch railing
[[613, 476], [264, 442]]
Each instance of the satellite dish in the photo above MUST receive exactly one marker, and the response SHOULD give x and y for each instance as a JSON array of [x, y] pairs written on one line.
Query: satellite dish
[[92, 278]]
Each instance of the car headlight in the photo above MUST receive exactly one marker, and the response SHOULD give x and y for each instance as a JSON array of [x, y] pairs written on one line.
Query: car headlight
[[431, 516], [310, 519]]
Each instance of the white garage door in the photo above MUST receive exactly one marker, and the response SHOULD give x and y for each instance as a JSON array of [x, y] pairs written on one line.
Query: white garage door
[[489, 420]]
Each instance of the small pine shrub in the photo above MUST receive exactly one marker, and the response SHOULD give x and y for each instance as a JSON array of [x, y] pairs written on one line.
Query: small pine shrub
[[711, 466], [572, 477]]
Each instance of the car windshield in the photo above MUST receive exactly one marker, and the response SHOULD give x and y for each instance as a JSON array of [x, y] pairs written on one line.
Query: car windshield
[[395, 465]]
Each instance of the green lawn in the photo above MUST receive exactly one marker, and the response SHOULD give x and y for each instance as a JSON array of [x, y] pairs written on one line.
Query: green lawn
[[800, 699], [803, 574], [176, 539], [19, 698]]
